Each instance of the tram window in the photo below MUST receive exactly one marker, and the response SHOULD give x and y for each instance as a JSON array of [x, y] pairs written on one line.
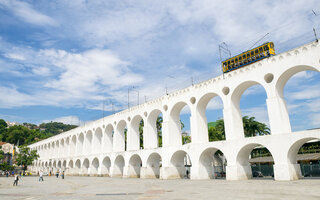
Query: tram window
[[232, 61], [260, 49], [271, 45], [236, 59], [229, 62], [251, 53], [248, 55], [256, 51], [244, 56]]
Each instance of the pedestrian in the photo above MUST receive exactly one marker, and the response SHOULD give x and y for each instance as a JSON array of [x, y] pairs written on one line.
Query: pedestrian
[[57, 174], [187, 173], [12, 173], [40, 176], [7, 174], [16, 179], [62, 175]]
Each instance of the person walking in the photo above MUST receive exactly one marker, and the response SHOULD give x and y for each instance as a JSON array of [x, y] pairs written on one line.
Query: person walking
[[40, 176], [62, 175], [57, 174], [16, 179]]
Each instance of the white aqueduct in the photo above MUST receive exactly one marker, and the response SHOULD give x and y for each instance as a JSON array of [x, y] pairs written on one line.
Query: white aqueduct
[[99, 149]]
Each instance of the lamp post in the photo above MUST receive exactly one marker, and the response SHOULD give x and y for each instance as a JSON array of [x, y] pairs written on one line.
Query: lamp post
[[132, 89]]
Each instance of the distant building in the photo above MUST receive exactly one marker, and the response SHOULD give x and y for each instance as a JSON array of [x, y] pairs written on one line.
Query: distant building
[[12, 123], [7, 149]]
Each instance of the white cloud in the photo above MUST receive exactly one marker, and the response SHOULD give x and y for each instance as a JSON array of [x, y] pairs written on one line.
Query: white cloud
[[306, 92], [25, 12], [260, 114], [73, 120], [215, 104], [14, 56], [314, 119]]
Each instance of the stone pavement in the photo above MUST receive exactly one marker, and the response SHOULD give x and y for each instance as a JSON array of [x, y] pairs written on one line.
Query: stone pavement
[[117, 188]]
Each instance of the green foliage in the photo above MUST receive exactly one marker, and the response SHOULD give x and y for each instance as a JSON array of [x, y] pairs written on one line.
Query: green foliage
[[26, 156], [250, 125], [186, 138], [30, 133], [216, 132], [1, 154], [254, 128], [6, 167], [312, 147], [56, 127]]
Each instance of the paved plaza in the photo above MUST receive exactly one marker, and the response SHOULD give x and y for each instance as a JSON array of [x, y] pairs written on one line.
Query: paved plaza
[[117, 188]]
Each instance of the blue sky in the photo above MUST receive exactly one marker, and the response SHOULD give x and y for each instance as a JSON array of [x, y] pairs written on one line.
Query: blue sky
[[66, 60]]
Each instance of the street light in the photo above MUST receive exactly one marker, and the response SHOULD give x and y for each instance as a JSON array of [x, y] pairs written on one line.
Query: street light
[[132, 89]]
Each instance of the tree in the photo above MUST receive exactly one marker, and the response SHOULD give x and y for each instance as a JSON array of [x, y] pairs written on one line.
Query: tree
[[254, 128], [250, 125], [141, 125], [26, 156], [159, 130]]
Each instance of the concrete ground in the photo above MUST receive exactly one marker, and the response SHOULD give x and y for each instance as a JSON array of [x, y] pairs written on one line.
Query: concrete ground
[[30, 188]]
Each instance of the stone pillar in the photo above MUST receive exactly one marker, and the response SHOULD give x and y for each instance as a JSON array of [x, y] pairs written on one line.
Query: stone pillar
[[238, 172], [133, 139], [132, 171], [233, 123], [172, 172], [287, 172], [149, 172], [118, 140], [278, 116], [198, 126], [150, 137]]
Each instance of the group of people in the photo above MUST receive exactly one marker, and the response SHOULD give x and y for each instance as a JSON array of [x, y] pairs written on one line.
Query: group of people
[[16, 177], [57, 175]]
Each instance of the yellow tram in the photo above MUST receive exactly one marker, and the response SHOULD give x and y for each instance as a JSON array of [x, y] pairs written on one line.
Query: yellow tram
[[248, 57]]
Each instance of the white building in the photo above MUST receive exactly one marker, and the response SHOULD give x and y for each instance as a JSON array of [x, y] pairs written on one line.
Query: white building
[[99, 148]]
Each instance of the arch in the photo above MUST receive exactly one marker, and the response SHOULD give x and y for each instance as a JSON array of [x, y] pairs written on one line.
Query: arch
[[70, 164], [88, 142], [202, 105], [85, 166], [80, 144], [302, 169], [154, 163], [62, 148], [67, 146], [133, 136], [64, 165], [180, 160], [94, 166], [119, 139], [242, 160], [237, 122], [77, 166], [97, 141], [135, 164], [118, 166], [107, 139], [105, 167], [175, 124], [285, 76], [153, 135], [212, 164], [294, 149], [73, 145], [52, 149], [70, 168], [59, 164]]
